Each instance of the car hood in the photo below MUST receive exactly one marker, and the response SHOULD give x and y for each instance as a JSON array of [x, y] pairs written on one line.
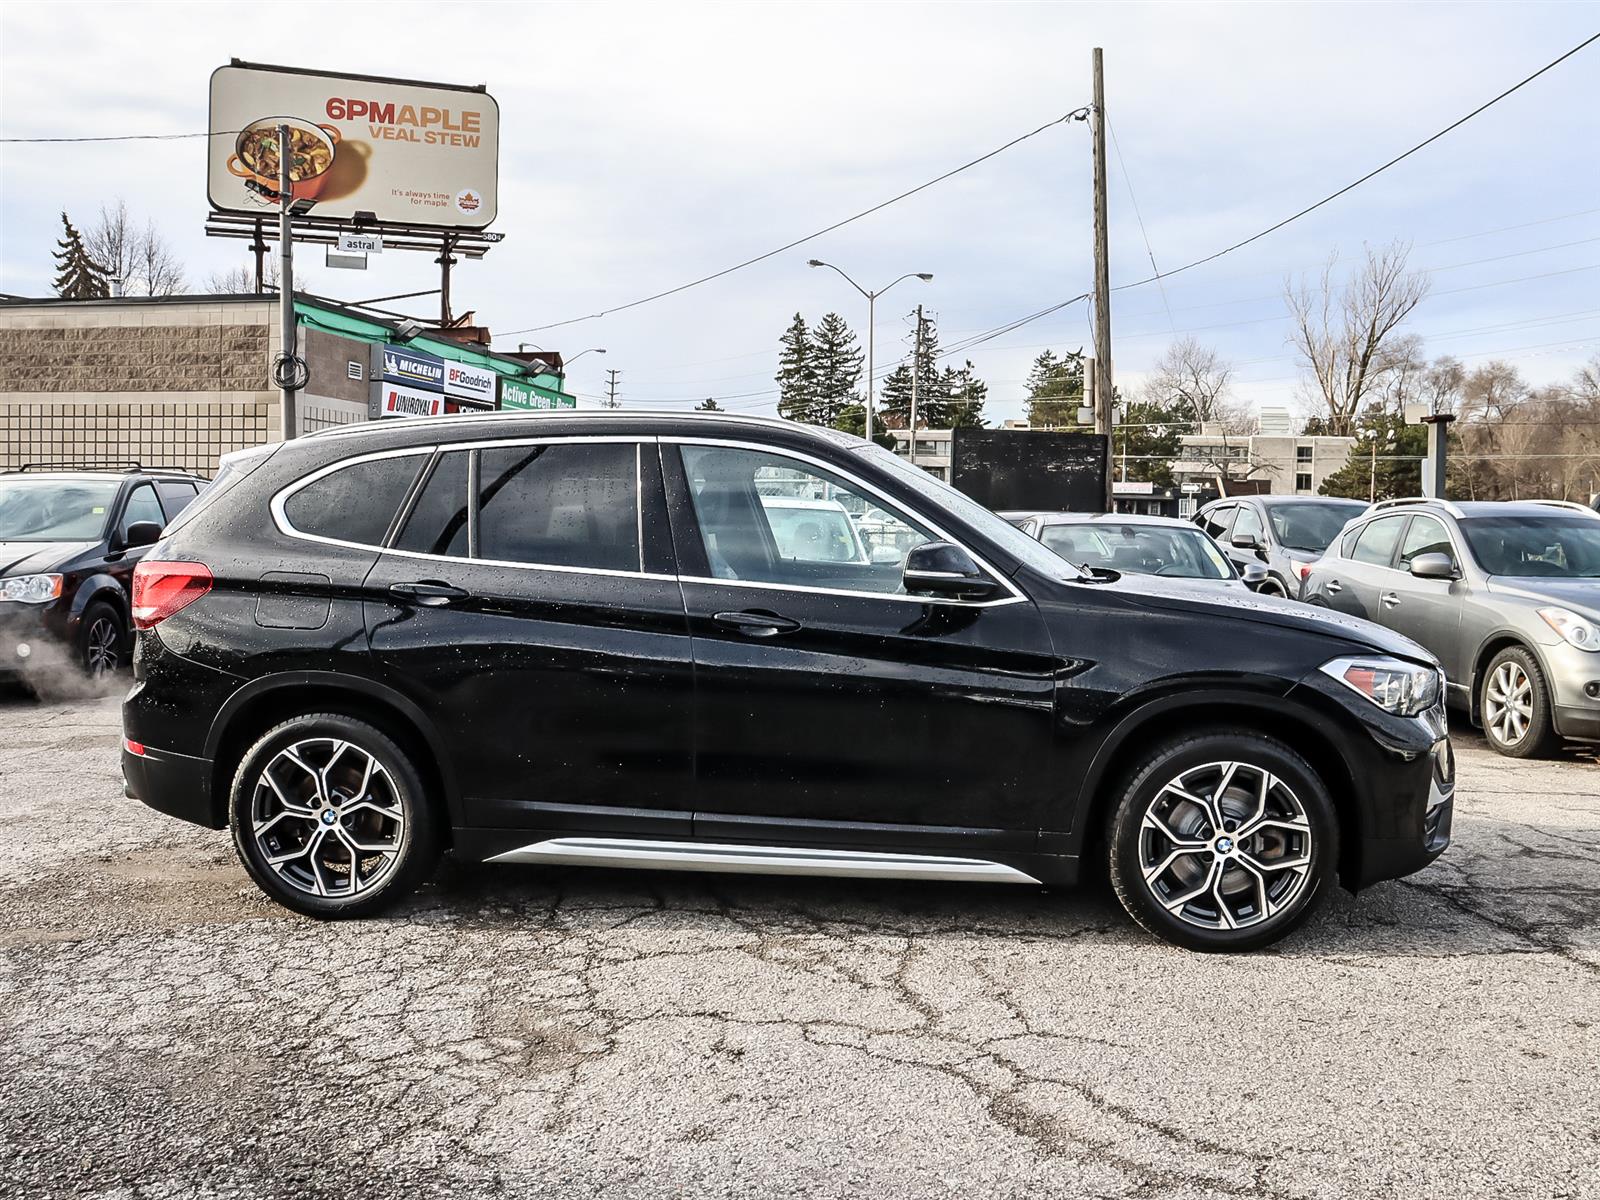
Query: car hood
[[1227, 604], [32, 558], [1569, 593]]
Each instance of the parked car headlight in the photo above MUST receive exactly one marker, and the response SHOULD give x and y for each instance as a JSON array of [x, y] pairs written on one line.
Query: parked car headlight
[[1574, 630], [30, 589], [1393, 684]]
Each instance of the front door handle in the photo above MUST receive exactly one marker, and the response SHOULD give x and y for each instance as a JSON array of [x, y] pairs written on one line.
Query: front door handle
[[1333, 586], [429, 592], [756, 624], [1389, 599]]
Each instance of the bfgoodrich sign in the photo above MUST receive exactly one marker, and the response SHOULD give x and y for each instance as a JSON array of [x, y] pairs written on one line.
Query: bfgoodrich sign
[[418, 153]]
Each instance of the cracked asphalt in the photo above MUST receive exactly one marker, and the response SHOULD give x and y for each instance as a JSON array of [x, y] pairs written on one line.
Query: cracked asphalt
[[167, 1032]]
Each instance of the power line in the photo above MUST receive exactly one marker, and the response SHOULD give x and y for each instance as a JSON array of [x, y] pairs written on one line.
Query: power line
[[1075, 114], [1127, 181], [124, 137], [1369, 175]]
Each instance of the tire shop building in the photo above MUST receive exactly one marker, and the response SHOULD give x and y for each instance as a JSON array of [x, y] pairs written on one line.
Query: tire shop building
[[178, 381]]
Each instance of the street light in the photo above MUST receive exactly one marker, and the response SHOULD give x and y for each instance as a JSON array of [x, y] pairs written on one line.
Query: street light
[[581, 353], [872, 298]]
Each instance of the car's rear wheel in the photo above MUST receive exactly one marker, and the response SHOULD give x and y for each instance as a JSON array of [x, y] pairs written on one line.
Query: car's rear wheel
[[1271, 587], [1223, 841], [330, 817], [1515, 705], [101, 636]]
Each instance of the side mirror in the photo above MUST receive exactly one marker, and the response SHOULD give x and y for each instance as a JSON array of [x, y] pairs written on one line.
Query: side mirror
[[883, 556], [944, 569], [141, 533], [1245, 541], [1254, 575], [1433, 566]]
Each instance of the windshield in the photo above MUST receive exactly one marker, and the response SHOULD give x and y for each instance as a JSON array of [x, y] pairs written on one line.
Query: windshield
[[812, 534], [997, 529], [1311, 527], [1140, 549], [1553, 547], [55, 510]]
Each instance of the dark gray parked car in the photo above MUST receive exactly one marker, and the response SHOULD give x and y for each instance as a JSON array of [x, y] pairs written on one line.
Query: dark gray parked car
[[1286, 534], [1505, 593]]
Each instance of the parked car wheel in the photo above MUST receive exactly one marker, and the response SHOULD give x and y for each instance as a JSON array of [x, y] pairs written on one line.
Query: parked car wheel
[[330, 817], [101, 637], [1223, 841], [1514, 704], [1271, 587]]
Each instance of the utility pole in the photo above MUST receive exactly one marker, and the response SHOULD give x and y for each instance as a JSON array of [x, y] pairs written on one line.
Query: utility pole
[[1102, 275], [916, 370], [611, 400], [288, 370]]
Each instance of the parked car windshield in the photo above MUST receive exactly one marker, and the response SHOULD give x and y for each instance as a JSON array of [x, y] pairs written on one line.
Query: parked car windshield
[[1555, 547], [1139, 549], [1311, 526], [819, 532], [55, 510], [996, 528]]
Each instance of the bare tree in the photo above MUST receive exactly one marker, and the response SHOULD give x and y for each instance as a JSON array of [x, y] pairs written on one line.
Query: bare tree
[[139, 260], [1345, 336], [242, 280], [1192, 377]]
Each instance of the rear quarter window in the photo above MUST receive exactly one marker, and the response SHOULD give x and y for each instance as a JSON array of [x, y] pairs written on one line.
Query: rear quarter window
[[354, 503]]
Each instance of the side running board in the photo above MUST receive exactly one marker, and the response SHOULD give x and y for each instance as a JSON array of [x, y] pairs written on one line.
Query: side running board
[[758, 860]]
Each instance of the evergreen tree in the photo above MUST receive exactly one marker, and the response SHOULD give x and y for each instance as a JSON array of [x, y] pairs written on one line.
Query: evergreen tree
[[835, 367], [79, 277], [797, 390], [895, 404], [1385, 462], [1146, 441], [709, 404], [1055, 390], [963, 394]]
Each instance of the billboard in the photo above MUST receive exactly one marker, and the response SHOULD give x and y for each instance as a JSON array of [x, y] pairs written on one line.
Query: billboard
[[469, 382], [520, 395], [1030, 470], [417, 153], [414, 367]]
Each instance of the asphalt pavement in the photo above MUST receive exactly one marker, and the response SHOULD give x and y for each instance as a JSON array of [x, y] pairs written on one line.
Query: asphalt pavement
[[167, 1032]]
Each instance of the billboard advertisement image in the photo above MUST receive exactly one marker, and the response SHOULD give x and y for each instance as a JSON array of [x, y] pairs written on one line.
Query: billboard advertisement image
[[413, 153]]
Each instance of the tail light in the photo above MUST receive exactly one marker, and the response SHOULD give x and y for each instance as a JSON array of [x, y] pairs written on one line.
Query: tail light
[[163, 588]]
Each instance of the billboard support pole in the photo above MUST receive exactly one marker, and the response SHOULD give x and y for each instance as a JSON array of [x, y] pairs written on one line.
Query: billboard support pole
[[445, 260], [287, 366], [259, 249]]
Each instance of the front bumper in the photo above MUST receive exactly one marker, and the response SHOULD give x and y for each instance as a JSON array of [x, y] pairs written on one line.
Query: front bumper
[[1571, 673]]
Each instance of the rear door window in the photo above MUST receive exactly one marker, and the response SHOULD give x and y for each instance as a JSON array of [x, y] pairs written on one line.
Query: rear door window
[[356, 503], [564, 504], [438, 522], [1377, 541]]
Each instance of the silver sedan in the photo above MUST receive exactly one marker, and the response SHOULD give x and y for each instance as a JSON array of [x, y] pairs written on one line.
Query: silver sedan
[[1138, 545]]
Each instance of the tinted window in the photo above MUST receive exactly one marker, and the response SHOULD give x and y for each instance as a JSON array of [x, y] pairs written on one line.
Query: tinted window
[[354, 503], [1426, 536], [1249, 524], [772, 519], [1559, 547], [438, 521], [142, 506], [176, 495], [1216, 521], [572, 505], [1376, 543], [1312, 526]]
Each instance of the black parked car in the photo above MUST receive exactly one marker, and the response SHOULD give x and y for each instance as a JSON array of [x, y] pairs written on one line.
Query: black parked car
[[1286, 534], [575, 638], [69, 541]]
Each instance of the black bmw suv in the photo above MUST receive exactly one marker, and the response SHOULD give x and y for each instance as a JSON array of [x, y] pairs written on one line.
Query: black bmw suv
[[737, 644], [69, 541]]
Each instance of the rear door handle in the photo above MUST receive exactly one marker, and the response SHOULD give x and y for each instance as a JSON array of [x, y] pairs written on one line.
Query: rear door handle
[[1333, 586], [429, 592], [1389, 599], [756, 624]]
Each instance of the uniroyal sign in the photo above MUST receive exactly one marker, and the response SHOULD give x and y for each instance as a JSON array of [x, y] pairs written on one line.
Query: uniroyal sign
[[397, 400], [469, 382], [405, 151]]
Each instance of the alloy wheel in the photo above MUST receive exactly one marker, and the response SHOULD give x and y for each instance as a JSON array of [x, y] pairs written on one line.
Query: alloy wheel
[[327, 818], [1226, 845], [1508, 703], [100, 647]]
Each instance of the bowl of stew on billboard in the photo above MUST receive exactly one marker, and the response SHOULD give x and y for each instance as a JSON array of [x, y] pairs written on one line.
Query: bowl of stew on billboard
[[311, 151]]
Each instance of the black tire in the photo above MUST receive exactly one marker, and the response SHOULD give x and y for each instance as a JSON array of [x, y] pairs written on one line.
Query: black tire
[[1271, 587], [102, 640], [1508, 732], [383, 810], [1291, 893]]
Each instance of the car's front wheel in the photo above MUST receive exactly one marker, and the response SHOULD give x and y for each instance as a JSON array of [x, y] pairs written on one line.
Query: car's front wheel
[[1515, 705], [100, 640], [1222, 841], [330, 817]]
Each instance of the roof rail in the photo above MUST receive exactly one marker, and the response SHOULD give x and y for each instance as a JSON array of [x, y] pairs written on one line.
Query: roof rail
[[1570, 506], [1401, 501], [124, 466]]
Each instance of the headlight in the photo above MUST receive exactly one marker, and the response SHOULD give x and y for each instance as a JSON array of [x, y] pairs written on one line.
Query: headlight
[[30, 589], [1575, 630], [1394, 685]]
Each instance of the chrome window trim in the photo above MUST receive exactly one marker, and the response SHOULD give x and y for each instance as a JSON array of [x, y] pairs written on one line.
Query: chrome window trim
[[891, 502], [281, 497]]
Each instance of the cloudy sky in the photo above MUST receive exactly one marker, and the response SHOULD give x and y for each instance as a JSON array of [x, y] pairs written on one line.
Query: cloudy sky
[[646, 145]]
